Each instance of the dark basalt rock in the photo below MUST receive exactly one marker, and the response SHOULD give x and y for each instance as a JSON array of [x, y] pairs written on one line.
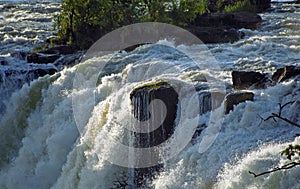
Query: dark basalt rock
[[285, 73], [63, 49], [216, 35], [236, 98], [25, 76], [229, 20], [141, 98], [249, 80], [40, 58], [210, 101]]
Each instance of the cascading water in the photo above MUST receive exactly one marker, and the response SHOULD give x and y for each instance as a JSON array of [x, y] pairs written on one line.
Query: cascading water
[[41, 146]]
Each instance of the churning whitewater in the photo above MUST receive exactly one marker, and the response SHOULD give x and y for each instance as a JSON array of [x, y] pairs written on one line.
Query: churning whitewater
[[45, 150], [43, 147]]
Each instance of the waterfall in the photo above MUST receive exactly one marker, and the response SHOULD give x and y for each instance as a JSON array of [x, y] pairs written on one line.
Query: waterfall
[[150, 118]]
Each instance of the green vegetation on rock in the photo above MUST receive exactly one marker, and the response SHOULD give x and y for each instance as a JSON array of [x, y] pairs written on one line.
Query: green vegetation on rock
[[152, 86]]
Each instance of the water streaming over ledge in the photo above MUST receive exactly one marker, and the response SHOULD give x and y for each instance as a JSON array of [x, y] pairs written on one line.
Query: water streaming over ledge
[[42, 148]]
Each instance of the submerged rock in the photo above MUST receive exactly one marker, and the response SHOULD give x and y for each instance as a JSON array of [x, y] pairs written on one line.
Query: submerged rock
[[285, 73], [251, 80], [236, 98]]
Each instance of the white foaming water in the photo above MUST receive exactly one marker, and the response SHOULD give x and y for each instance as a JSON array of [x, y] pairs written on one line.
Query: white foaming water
[[40, 146], [240, 135], [44, 149]]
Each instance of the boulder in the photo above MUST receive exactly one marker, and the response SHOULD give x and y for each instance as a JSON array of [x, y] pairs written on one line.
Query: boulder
[[229, 20], [251, 80], [141, 98], [40, 58], [236, 98], [216, 35], [285, 73]]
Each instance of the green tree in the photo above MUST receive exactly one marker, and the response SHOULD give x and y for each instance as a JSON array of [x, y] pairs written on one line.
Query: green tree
[[185, 11], [82, 22]]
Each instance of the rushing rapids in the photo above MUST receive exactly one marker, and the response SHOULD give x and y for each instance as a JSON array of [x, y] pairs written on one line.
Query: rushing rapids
[[41, 146]]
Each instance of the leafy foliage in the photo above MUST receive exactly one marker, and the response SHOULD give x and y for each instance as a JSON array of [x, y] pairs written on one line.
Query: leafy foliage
[[239, 6], [292, 152], [82, 22]]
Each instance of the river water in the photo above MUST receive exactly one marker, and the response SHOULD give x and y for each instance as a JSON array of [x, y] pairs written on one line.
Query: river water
[[52, 136]]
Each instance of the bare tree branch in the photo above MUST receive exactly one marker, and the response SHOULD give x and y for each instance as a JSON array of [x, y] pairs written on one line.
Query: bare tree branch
[[286, 166], [278, 115]]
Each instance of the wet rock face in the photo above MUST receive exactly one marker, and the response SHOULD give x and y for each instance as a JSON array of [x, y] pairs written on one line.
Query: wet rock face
[[141, 99], [210, 101], [285, 73], [249, 80], [236, 98]]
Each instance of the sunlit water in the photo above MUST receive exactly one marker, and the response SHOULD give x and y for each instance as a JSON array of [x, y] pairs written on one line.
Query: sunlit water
[[40, 146]]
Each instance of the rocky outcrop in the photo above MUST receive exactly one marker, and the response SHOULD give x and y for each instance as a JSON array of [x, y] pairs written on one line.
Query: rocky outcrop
[[25, 76], [216, 35], [249, 80], [63, 49], [285, 73], [141, 97], [40, 58], [223, 27], [235, 98], [50, 55], [210, 100], [229, 20]]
